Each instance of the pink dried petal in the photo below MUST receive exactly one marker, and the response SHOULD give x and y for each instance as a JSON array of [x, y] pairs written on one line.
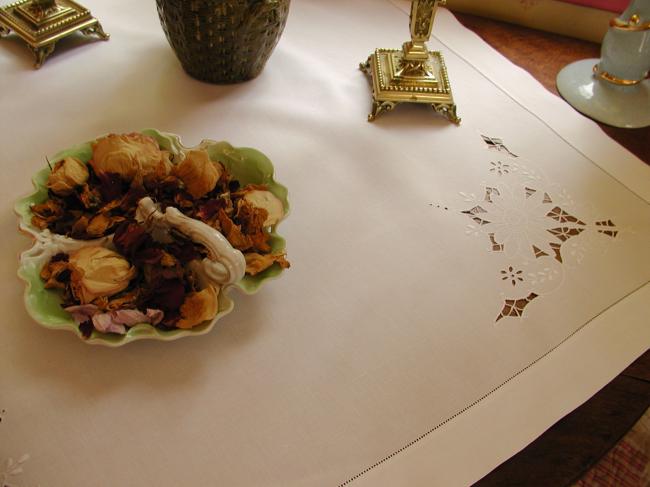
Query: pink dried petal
[[82, 313], [155, 316], [129, 237], [129, 317], [104, 322]]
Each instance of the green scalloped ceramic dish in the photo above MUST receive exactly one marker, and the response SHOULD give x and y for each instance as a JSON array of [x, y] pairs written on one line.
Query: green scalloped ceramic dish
[[249, 166]]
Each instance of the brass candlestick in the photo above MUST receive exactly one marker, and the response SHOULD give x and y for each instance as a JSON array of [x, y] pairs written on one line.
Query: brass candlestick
[[413, 74], [41, 23]]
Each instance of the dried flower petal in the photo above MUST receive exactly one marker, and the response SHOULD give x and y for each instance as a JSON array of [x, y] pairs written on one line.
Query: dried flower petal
[[168, 260], [55, 274], [98, 225], [155, 316], [48, 212], [198, 307], [183, 201], [256, 263], [129, 317], [260, 198], [155, 171], [97, 271], [260, 242], [148, 255], [130, 200], [104, 322], [89, 198], [114, 321], [82, 313], [67, 175], [210, 208], [198, 173], [166, 294], [252, 218], [116, 220], [233, 232], [123, 301], [111, 186], [39, 222], [125, 155], [80, 226], [184, 251], [129, 238]]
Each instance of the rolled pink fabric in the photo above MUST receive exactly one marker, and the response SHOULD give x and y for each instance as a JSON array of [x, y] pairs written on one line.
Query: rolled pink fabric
[[616, 6]]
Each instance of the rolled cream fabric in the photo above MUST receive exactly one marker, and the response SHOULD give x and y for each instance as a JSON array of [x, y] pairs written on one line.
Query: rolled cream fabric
[[583, 20]]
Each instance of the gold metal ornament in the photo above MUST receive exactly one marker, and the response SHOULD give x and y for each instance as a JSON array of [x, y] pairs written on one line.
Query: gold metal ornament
[[634, 24], [614, 79], [41, 23], [413, 74]]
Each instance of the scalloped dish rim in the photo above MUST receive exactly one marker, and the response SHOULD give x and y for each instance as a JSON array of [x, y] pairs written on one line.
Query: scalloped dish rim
[[261, 171]]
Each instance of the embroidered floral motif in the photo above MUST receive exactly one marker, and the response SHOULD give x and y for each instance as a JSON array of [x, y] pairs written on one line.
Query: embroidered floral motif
[[525, 222], [10, 468], [544, 275], [531, 222], [512, 275], [500, 167]]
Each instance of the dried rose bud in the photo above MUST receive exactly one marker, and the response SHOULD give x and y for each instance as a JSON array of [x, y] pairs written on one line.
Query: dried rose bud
[[154, 172], [97, 272], [261, 198], [198, 173], [125, 155], [198, 307], [66, 175]]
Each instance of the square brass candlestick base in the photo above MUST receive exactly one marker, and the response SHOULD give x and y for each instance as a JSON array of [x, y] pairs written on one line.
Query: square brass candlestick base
[[42, 23], [396, 80]]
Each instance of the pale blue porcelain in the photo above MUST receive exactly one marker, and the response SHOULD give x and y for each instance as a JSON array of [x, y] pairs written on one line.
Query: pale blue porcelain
[[625, 54]]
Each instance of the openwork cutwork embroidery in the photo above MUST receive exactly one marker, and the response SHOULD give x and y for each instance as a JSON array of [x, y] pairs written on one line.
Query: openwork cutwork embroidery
[[527, 224], [607, 227], [512, 275], [496, 144], [528, 221], [515, 307]]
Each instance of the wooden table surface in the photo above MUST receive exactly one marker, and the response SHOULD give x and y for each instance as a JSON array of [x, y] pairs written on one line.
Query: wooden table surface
[[575, 443]]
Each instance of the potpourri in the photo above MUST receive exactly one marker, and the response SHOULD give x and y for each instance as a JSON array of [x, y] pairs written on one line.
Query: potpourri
[[142, 280]]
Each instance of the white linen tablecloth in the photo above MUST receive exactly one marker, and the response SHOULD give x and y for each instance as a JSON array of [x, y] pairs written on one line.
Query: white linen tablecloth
[[388, 354]]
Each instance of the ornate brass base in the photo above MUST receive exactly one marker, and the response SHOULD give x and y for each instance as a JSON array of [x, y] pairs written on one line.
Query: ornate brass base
[[42, 23], [398, 80]]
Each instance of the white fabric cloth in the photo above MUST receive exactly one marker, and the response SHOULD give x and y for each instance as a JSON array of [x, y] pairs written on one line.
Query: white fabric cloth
[[380, 356]]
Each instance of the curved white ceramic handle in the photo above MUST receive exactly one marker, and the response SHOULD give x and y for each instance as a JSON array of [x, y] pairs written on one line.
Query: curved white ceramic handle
[[225, 265]]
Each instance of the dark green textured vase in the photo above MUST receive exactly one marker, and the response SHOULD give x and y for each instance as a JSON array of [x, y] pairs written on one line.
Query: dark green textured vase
[[223, 41]]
